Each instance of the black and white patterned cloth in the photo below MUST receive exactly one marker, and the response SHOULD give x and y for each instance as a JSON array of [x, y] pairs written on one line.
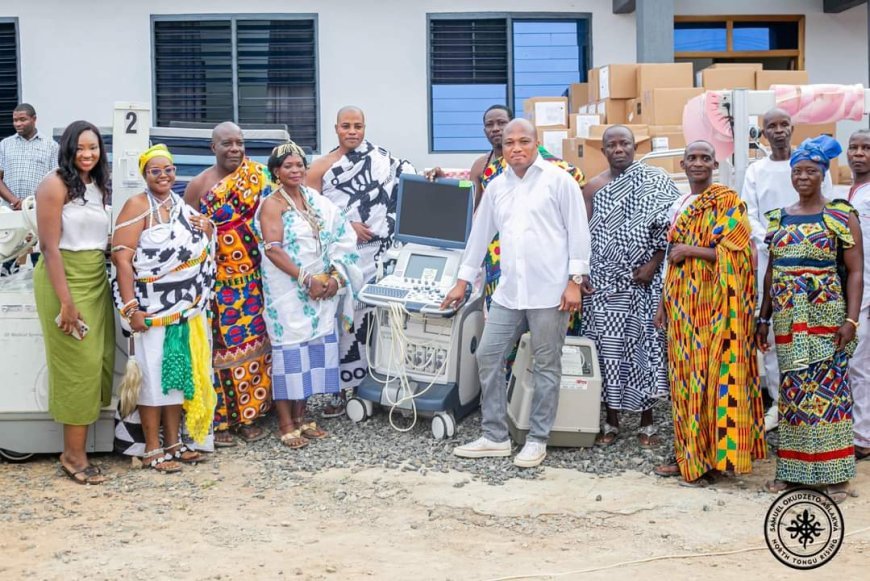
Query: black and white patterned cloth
[[364, 184], [629, 224]]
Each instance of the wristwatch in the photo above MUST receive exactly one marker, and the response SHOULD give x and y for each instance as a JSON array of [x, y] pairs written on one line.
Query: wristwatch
[[577, 279]]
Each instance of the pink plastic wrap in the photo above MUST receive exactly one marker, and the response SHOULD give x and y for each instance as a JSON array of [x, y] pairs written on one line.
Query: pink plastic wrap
[[703, 118], [820, 103]]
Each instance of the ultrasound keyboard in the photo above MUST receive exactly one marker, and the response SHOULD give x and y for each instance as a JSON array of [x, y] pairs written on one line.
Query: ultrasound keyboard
[[416, 295]]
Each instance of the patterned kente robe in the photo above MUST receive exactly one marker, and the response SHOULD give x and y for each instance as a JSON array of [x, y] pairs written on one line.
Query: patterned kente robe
[[364, 184], [629, 224]]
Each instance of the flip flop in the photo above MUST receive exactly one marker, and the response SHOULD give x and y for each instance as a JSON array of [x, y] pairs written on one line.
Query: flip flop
[[667, 470], [296, 434], [839, 495], [90, 473], [310, 431], [704, 481]]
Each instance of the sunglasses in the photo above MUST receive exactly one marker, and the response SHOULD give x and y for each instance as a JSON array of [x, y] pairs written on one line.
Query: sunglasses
[[156, 172]]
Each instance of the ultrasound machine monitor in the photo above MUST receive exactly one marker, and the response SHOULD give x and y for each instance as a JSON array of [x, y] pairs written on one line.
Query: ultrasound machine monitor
[[436, 213]]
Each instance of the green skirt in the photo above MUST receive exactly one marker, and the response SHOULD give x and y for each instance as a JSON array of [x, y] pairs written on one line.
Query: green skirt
[[79, 372]]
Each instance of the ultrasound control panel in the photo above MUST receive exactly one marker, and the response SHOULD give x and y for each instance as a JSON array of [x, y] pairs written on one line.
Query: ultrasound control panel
[[421, 279]]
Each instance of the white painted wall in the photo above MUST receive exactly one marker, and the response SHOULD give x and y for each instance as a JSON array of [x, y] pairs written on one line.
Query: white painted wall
[[79, 57]]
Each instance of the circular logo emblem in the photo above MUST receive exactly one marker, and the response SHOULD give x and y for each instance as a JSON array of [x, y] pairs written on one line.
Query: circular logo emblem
[[804, 528]]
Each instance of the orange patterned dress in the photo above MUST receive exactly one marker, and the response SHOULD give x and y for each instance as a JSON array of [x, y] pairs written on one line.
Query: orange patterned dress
[[242, 353], [709, 309]]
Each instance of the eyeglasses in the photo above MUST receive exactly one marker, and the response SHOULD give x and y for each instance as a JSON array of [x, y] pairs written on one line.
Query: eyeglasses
[[156, 172]]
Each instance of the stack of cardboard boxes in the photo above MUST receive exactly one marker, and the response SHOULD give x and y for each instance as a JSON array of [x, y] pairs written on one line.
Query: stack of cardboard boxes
[[647, 97]]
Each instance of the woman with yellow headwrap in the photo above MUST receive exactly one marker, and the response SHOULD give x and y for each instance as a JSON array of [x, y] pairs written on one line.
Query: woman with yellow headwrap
[[163, 252]]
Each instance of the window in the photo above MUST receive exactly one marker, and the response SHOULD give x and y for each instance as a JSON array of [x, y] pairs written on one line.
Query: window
[[251, 70], [9, 90], [498, 59], [775, 41]]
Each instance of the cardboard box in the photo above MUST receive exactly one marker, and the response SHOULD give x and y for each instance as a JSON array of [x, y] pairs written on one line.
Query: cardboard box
[[670, 164], [663, 76], [665, 106], [632, 111], [578, 95], [764, 79], [592, 76], [597, 131], [727, 78], [611, 110], [754, 66], [546, 111], [551, 138], [586, 153], [617, 82], [664, 137], [579, 124]]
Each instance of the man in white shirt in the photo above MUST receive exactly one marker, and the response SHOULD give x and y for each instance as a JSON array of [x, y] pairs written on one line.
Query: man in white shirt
[[767, 186], [538, 211], [858, 154]]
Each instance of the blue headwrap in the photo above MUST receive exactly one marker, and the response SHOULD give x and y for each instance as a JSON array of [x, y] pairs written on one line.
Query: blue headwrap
[[819, 150]]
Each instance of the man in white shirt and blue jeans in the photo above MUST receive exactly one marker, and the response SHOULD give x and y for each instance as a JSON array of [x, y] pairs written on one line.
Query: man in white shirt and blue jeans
[[538, 211]]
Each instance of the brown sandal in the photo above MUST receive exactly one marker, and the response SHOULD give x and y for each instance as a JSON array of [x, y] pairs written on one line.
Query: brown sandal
[[162, 461], [312, 432], [184, 454], [667, 470], [294, 440]]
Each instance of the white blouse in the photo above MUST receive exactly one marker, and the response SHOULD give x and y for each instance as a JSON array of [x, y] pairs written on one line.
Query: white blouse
[[85, 226]]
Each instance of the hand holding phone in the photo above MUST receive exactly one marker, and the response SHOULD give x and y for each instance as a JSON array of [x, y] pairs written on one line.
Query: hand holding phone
[[79, 330]]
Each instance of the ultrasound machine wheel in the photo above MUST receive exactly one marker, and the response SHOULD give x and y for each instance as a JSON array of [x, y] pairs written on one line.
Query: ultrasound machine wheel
[[443, 425], [359, 409], [14, 456]]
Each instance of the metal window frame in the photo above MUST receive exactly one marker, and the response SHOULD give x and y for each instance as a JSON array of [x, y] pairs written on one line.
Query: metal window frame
[[233, 18], [509, 18]]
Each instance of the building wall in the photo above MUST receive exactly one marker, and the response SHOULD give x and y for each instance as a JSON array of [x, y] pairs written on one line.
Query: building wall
[[836, 44], [79, 58]]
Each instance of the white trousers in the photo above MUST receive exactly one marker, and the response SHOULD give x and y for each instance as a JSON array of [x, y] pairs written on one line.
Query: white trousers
[[859, 382]]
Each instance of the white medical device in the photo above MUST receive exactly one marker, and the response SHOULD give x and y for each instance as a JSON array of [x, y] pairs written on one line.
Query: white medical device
[[579, 409], [26, 428], [421, 357]]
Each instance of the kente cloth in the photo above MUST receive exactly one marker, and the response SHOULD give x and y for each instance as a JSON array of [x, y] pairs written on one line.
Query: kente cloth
[[710, 311], [815, 398], [173, 266], [242, 354], [364, 184], [79, 372], [629, 223], [293, 317], [305, 369], [491, 262]]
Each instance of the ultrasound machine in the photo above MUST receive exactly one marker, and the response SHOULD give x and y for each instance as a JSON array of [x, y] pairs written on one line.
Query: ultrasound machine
[[421, 357]]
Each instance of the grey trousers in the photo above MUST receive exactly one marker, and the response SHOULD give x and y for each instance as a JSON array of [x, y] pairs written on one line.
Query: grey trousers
[[501, 332]]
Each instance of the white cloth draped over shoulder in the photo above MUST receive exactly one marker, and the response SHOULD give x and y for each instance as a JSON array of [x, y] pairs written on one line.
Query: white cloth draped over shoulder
[[291, 316]]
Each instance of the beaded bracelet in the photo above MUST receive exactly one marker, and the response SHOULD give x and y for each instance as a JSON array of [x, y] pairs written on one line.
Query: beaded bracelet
[[763, 321]]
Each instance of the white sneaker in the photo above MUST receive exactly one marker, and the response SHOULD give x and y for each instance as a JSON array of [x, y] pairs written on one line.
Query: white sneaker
[[771, 418], [483, 448], [532, 454]]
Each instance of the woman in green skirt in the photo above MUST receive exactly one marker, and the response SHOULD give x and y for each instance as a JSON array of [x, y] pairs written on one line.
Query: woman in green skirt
[[72, 292]]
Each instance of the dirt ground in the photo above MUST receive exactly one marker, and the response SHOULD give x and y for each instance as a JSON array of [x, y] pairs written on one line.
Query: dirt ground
[[226, 520]]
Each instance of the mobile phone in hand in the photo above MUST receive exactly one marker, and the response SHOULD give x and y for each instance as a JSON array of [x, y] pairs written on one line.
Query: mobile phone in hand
[[79, 332]]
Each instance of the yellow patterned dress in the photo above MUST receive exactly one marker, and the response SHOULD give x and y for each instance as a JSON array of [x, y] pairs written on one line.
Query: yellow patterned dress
[[242, 353], [709, 309], [815, 399]]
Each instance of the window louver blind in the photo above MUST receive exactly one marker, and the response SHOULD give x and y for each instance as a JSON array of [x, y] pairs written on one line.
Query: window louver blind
[[9, 94], [469, 52], [277, 71]]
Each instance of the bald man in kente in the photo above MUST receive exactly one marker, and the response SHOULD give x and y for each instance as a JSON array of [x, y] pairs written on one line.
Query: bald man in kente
[[363, 180], [229, 193]]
